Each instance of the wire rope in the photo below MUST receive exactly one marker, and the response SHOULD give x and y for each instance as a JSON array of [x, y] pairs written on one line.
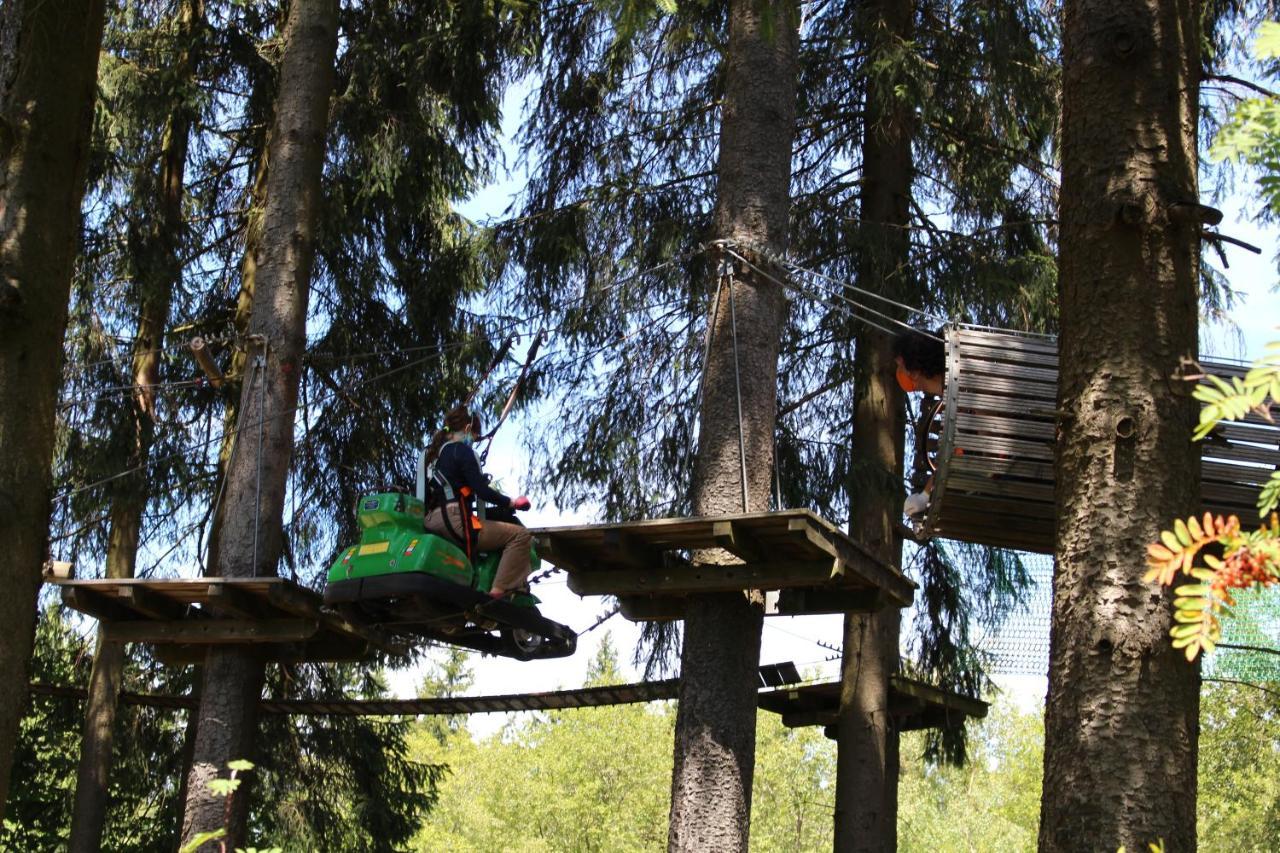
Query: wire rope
[[838, 296], [793, 265]]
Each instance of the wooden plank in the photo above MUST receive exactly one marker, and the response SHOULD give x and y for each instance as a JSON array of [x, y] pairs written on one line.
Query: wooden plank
[[804, 719], [1022, 430], [214, 631], [808, 601], [227, 600], [626, 550], [803, 530], [990, 351], [96, 604], [651, 609], [1251, 477], [557, 549], [986, 444], [1030, 342], [733, 537], [1000, 468], [938, 697], [702, 577], [1018, 406], [967, 383], [853, 560], [1238, 451], [1004, 488], [680, 524], [150, 604], [1260, 433], [1021, 374], [789, 538]]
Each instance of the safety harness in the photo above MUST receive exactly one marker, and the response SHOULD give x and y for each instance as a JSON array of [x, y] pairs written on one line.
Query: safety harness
[[439, 493]]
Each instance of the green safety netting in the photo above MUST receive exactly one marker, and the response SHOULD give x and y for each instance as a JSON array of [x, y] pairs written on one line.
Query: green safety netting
[[1250, 648]]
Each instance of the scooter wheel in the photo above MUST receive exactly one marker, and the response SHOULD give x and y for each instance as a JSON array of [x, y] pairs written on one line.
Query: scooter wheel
[[522, 644]]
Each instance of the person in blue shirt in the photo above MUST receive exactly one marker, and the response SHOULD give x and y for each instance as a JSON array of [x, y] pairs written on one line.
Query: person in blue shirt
[[455, 486]]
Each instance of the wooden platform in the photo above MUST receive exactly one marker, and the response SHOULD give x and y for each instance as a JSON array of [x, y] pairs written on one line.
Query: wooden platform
[[651, 565], [913, 704], [182, 618]]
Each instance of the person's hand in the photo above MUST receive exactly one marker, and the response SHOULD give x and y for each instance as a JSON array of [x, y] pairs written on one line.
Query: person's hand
[[916, 505], [521, 503]]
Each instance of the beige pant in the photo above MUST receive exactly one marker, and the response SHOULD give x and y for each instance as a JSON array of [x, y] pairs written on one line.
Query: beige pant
[[513, 540]]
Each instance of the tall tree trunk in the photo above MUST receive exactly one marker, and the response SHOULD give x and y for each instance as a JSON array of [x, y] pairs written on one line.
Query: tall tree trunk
[[1121, 715], [160, 269], [715, 724], [866, 810], [48, 65], [251, 535]]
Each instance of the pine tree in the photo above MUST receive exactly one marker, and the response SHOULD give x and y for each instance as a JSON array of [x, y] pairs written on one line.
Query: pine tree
[[715, 720], [48, 59], [1121, 715], [251, 533], [156, 254], [867, 766]]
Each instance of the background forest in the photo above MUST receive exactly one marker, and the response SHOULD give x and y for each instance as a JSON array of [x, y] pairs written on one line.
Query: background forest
[[285, 183]]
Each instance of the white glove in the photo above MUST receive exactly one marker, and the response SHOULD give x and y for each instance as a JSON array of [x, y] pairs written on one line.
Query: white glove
[[916, 505]]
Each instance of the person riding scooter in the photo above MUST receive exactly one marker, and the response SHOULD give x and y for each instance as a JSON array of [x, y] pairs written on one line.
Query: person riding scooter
[[455, 486]]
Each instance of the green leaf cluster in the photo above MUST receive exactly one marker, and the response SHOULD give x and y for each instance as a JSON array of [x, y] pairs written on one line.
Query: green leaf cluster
[[1256, 393], [1251, 136]]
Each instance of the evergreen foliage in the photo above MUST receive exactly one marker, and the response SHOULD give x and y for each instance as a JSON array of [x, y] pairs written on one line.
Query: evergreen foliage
[[147, 761], [322, 783]]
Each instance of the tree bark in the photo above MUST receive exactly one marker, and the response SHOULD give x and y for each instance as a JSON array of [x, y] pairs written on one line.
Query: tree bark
[[1121, 714], [48, 65], [715, 723], [866, 813], [250, 538], [160, 269]]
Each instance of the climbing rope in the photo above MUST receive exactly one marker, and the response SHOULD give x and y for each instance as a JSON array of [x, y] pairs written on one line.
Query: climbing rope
[[515, 393]]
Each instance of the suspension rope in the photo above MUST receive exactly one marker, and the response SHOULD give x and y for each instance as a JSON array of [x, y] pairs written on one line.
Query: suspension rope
[[838, 296], [497, 359], [727, 271], [261, 364], [515, 393], [794, 266]]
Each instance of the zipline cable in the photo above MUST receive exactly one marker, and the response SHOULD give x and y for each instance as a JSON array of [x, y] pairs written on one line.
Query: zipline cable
[[796, 288], [497, 359], [793, 265]]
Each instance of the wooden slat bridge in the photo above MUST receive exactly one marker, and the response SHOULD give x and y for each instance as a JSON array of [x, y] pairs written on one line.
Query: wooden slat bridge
[[652, 565], [995, 440], [912, 704], [769, 676], [182, 618]]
